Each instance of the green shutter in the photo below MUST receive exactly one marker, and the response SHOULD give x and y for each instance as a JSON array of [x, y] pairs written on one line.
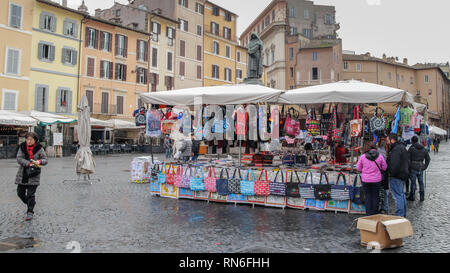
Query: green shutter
[[74, 57], [63, 55], [42, 21], [52, 53], [53, 24]]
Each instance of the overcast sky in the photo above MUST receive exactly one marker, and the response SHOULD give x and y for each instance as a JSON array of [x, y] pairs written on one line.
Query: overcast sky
[[414, 29]]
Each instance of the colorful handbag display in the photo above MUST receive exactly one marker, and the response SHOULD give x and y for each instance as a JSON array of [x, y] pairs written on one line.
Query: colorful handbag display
[[340, 192], [186, 179], [268, 160], [162, 175], [170, 176], [262, 187], [258, 160], [292, 188], [357, 193], [278, 188], [198, 183], [248, 185], [178, 177], [322, 191], [356, 124], [155, 172], [336, 129], [313, 124], [222, 183], [307, 190], [210, 181], [300, 159], [291, 125], [234, 184]]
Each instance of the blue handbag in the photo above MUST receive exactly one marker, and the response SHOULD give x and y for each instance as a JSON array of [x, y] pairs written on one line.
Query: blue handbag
[[162, 175], [340, 192], [222, 183], [198, 183], [248, 186], [357, 193]]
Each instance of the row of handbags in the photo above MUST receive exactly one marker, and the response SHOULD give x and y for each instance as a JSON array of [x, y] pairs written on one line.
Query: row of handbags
[[291, 159], [249, 186]]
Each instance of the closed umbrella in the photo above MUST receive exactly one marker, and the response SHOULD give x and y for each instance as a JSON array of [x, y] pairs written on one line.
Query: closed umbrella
[[84, 158]]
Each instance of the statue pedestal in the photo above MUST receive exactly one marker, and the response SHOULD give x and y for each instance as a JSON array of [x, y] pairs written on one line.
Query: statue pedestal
[[253, 81]]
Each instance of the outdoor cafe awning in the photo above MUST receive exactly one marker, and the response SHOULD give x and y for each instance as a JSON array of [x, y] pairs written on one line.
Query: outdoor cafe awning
[[16, 119], [119, 124], [48, 118]]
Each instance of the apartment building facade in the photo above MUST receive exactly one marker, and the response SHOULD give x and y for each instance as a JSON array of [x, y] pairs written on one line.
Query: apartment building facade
[[115, 68], [284, 27], [54, 65], [427, 83], [16, 32]]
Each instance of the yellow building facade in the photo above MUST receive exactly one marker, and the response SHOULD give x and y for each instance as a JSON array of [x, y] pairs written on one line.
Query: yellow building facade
[[54, 62], [221, 48], [15, 32]]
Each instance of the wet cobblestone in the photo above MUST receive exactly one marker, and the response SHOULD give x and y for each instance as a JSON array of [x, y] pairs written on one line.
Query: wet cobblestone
[[116, 215]]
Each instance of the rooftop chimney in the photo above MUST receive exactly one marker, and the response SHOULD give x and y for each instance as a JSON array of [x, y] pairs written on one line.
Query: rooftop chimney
[[405, 61], [64, 3], [384, 57]]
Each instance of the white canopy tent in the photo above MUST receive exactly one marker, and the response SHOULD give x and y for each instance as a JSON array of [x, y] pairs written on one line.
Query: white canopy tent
[[47, 118], [16, 119], [437, 131], [119, 124], [219, 95], [346, 92], [101, 123]]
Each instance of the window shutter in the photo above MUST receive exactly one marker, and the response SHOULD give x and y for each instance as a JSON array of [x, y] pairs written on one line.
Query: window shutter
[[174, 33], [69, 101], [116, 75], [146, 52], [52, 53], [86, 37], [116, 45], [110, 42], [182, 69], [182, 48], [155, 57], [199, 53], [138, 73], [58, 100], [97, 40], [41, 21], [138, 52], [75, 30], [53, 24], [38, 99], [187, 3], [159, 29], [111, 68], [102, 40], [124, 73], [102, 69], [40, 51], [126, 46], [157, 79], [15, 16], [65, 27], [74, 57], [63, 58], [199, 72]]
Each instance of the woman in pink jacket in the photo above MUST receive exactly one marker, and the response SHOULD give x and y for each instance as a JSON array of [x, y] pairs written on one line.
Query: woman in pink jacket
[[370, 165]]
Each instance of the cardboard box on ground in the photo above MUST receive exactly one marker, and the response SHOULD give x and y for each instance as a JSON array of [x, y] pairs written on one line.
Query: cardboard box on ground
[[387, 230]]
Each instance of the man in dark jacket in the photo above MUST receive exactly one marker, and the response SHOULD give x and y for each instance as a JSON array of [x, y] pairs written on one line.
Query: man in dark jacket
[[398, 168], [417, 154], [195, 149]]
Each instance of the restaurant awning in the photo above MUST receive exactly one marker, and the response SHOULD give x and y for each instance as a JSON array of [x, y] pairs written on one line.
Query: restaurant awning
[[119, 124], [48, 118], [101, 123], [16, 119], [437, 131]]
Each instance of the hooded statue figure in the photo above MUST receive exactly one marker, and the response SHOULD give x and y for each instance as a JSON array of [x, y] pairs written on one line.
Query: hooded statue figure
[[255, 65]]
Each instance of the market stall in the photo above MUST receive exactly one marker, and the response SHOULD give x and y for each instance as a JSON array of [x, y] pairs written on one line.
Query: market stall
[[55, 132], [437, 131], [125, 131], [292, 164], [13, 127]]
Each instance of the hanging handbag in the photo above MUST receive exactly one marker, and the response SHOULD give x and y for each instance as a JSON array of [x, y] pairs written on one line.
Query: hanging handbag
[[288, 159], [313, 124], [278, 188], [356, 124], [356, 193], [300, 159], [291, 126], [198, 183], [322, 191], [336, 131], [222, 183], [170, 176], [155, 172], [267, 160], [248, 185], [258, 160], [178, 177], [307, 190], [292, 188], [340, 192], [32, 171], [211, 181], [162, 175], [262, 187], [186, 179], [234, 184]]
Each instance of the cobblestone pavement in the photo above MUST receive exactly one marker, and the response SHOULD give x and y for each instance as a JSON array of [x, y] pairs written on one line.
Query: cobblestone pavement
[[116, 215]]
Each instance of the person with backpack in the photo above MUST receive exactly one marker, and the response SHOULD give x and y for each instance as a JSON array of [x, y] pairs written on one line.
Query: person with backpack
[[417, 155], [398, 169], [371, 165]]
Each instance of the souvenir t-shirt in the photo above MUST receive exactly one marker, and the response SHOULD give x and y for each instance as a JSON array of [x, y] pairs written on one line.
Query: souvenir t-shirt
[[275, 123], [408, 133], [405, 116], [154, 123]]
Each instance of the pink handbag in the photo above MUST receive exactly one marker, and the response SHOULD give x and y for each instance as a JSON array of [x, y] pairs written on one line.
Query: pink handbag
[[291, 126], [210, 181], [178, 177]]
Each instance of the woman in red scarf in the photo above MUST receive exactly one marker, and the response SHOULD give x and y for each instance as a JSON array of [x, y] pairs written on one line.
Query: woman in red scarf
[[30, 156]]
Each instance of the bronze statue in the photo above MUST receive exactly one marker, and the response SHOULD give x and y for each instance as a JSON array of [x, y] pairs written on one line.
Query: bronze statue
[[255, 65]]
